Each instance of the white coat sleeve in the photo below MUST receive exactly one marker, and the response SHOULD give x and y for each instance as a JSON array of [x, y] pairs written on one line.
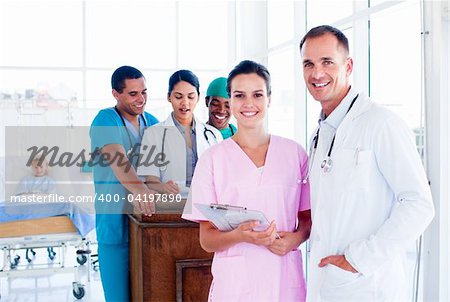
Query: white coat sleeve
[[218, 135], [412, 211], [150, 147], [203, 188]]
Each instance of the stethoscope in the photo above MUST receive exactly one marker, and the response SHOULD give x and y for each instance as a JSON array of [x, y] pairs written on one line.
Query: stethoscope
[[206, 130], [132, 152], [205, 134], [327, 163]]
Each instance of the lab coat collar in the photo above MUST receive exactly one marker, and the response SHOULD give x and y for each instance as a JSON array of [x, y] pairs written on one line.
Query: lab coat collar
[[168, 122], [337, 116], [361, 106], [178, 124]]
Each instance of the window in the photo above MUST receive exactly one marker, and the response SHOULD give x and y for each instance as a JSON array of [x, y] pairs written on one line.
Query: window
[[203, 34], [395, 68], [281, 22], [136, 33], [67, 51], [40, 57], [45, 88], [45, 34], [282, 110], [327, 12]]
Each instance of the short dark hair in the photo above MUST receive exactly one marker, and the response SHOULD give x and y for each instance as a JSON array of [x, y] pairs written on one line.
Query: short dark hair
[[324, 29], [246, 67], [124, 73], [183, 76]]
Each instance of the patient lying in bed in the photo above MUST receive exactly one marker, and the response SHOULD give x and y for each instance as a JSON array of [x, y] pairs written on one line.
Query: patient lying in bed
[[38, 183]]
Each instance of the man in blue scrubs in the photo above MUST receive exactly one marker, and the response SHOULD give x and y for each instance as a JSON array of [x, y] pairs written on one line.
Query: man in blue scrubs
[[116, 133], [218, 103]]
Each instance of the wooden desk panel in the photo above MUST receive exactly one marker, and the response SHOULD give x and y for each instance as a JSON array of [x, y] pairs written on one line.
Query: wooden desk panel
[[158, 246]]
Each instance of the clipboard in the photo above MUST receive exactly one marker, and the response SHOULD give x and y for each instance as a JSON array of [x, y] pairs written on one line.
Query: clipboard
[[226, 217]]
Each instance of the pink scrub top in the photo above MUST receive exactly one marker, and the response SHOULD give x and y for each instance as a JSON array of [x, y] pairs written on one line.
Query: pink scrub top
[[225, 174]]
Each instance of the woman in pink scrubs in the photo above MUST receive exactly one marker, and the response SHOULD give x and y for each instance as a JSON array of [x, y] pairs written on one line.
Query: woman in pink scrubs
[[261, 172]]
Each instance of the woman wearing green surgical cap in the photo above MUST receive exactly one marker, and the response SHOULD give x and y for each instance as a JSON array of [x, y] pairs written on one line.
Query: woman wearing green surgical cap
[[218, 103]]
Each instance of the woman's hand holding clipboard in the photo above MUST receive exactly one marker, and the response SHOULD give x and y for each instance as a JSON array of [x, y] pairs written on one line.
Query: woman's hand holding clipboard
[[227, 217]]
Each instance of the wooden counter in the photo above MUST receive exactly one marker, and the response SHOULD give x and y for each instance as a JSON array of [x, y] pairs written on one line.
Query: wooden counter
[[166, 260]]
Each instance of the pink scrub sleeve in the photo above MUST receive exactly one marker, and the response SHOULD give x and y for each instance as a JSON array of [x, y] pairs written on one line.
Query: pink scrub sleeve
[[304, 187], [202, 188]]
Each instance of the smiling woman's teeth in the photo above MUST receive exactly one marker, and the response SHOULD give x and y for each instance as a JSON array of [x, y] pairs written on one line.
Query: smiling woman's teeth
[[249, 113]]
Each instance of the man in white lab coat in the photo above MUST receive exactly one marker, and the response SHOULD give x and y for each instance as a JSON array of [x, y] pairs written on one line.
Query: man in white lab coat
[[370, 198]]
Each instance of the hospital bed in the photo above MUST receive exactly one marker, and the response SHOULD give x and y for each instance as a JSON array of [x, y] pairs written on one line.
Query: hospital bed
[[25, 226]]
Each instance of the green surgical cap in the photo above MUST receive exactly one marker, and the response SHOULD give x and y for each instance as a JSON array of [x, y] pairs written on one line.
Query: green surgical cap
[[218, 87]]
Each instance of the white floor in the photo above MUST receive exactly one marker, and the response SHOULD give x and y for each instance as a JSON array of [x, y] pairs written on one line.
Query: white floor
[[56, 287], [53, 287]]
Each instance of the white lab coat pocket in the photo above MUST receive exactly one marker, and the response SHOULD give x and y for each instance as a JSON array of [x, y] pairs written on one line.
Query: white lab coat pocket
[[342, 285], [337, 277], [365, 164], [360, 165], [230, 279], [337, 283]]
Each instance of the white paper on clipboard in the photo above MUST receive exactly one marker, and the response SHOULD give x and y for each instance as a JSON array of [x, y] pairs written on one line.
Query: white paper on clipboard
[[227, 218]]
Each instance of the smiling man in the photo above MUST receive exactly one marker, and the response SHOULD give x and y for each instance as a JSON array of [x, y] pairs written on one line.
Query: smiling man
[[370, 198], [115, 133], [218, 103]]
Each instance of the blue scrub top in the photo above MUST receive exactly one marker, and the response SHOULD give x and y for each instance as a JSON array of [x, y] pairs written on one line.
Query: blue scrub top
[[107, 128]]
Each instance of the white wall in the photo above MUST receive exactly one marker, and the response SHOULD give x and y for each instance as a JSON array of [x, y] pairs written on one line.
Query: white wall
[[436, 244]]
